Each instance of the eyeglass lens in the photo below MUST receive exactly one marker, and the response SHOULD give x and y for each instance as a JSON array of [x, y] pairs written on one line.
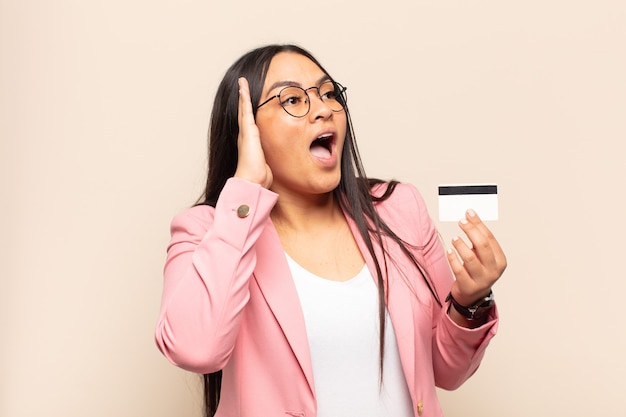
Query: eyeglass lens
[[296, 102]]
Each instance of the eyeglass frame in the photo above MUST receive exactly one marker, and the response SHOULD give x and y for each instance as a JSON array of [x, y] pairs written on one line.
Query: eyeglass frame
[[338, 87]]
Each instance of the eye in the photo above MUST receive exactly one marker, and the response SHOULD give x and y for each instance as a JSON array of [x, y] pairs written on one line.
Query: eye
[[290, 100], [330, 95], [292, 97], [328, 91]]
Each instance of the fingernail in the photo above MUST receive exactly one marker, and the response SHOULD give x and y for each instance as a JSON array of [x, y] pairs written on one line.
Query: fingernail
[[463, 221], [455, 238], [471, 213]]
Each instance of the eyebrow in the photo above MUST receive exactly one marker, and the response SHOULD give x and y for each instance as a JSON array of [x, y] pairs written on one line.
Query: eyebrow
[[287, 83]]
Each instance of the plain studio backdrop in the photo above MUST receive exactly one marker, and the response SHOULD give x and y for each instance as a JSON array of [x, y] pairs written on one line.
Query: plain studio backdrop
[[104, 108]]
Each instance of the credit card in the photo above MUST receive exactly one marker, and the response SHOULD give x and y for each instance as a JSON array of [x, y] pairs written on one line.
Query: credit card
[[455, 200]]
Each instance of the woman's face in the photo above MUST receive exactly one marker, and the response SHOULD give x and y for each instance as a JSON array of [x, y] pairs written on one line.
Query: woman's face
[[303, 153]]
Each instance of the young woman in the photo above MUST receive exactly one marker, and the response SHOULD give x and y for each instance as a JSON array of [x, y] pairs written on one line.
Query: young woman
[[300, 287]]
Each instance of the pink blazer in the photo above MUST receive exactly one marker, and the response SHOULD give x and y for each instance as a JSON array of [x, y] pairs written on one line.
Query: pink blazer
[[229, 303]]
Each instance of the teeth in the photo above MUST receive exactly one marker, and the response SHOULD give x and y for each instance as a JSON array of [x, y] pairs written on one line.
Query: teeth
[[325, 136]]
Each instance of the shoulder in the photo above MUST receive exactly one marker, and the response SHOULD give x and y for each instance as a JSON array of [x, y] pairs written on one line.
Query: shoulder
[[403, 197], [404, 211]]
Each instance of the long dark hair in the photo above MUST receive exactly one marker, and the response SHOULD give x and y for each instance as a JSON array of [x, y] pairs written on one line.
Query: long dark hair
[[353, 192]]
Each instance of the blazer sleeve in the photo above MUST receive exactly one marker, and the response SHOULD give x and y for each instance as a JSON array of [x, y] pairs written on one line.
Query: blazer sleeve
[[457, 351], [210, 259]]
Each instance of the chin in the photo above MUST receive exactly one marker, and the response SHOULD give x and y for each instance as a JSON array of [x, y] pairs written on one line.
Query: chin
[[331, 186]]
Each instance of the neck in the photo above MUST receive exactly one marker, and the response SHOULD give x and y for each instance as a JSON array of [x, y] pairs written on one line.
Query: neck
[[306, 213]]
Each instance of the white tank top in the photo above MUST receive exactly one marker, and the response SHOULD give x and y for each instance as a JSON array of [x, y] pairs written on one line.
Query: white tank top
[[343, 330]]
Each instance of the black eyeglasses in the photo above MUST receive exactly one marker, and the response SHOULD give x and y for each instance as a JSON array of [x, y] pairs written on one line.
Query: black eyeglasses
[[297, 103]]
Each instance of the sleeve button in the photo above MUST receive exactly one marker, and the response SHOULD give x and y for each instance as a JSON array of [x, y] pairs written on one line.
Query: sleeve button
[[243, 211]]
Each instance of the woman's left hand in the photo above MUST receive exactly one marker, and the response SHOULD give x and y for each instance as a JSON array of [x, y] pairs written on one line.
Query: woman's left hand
[[476, 267]]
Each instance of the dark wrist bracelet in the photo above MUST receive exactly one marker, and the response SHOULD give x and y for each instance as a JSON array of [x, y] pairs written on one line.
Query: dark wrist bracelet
[[477, 311]]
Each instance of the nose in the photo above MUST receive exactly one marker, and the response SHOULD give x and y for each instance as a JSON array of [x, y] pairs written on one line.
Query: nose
[[318, 107]]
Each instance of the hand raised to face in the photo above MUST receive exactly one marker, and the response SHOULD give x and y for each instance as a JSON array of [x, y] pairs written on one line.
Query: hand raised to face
[[251, 164]]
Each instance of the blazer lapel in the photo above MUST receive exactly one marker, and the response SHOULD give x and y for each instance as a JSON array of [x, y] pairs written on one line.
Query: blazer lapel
[[273, 275], [400, 301]]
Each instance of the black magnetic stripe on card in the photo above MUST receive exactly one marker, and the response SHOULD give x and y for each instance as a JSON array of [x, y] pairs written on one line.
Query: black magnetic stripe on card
[[467, 189]]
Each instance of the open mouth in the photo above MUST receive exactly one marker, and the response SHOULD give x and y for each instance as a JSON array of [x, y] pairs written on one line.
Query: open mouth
[[322, 146]]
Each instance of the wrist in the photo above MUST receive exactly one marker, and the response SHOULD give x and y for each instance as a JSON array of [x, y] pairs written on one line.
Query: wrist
[[476, 310]]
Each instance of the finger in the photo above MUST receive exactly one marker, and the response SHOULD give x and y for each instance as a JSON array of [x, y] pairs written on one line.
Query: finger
[[482, 237], [455, 264], [245, 115], [483, 243], [471, 263], [465, 289], [472, 217], [251, 164]]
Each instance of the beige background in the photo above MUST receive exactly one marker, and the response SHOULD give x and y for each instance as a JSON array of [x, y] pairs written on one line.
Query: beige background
[[104, 107]]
